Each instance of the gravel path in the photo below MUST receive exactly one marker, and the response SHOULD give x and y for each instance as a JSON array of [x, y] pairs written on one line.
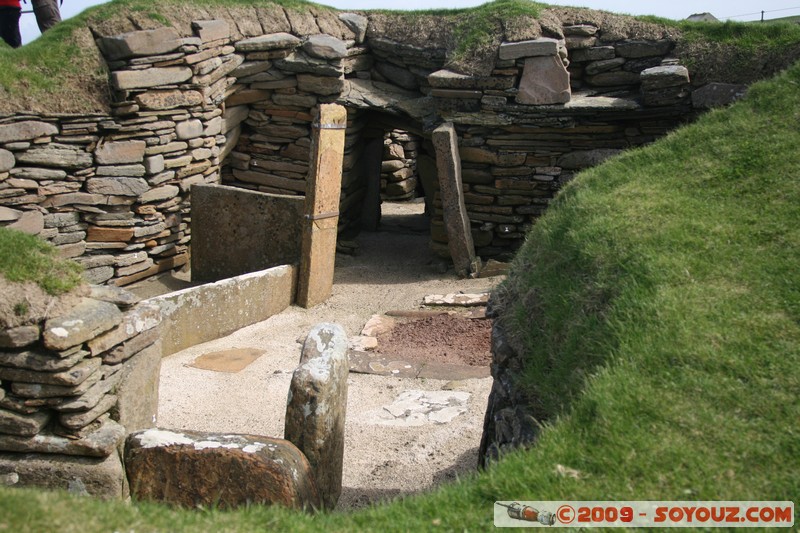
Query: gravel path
[[384, 456]]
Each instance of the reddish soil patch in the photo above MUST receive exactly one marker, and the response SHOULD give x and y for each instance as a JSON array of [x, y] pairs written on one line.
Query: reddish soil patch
[[442, 338]]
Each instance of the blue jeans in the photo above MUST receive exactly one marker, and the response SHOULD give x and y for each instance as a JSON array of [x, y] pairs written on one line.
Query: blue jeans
[[9, 26]]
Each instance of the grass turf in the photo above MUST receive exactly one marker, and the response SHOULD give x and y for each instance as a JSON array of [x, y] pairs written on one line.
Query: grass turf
[[26, 258]]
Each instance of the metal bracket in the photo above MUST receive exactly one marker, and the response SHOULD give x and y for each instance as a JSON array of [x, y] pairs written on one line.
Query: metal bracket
[[319, 126], [321, 216]]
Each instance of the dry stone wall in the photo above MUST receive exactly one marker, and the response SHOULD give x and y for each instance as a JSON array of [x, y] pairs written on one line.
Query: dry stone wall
[[213, 103], [72, 386]]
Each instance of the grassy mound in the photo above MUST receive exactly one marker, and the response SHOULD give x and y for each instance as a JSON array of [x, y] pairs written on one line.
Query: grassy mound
[[658, 303], [25, 258]]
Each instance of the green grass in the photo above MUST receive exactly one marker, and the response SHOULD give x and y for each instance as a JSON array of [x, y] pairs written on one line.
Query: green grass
[[26, 258], [658, 302]]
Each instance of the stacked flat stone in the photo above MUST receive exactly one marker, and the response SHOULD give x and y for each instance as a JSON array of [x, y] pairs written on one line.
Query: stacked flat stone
[[232, 100], [72, 385], [399, 167]]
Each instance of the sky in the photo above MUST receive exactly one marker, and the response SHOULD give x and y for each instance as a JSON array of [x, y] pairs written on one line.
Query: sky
[[740, 10]]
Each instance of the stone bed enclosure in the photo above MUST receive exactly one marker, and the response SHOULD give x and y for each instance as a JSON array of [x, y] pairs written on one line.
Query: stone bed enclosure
[[209, 104]]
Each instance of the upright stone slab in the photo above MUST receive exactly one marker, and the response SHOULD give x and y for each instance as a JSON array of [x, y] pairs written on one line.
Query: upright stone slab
[[191, 468], [317, 405], [544, 81], [459, 234], [323, 190]]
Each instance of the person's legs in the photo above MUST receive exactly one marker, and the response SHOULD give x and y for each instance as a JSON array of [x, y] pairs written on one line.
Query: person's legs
[[47, 13], [9, 26]]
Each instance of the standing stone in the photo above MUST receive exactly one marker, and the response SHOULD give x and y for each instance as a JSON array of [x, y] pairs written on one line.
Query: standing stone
[[191, 468], [459, 233], [544, 81], [317, 405], [323, 192], [357, 24]]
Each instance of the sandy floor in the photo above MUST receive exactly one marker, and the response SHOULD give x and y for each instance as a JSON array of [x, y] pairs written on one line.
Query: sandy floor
[[393, 270]]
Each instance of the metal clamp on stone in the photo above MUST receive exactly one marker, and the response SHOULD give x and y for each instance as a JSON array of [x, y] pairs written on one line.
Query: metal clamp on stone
[[321, 216], [319, 126]]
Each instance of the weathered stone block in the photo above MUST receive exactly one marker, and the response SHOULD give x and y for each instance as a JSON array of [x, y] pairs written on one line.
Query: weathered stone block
[[18, 337], [117, 186], [142, 318], [26, 131], [61, 156], [65, 378], [536, 47], [85, 321], [661, 77], [189, 129], [211, 30], [319, 84], [193, 469], [104, 478], [41, 361], [7, 160], [116, 153], [140, 43], [544, 81], [137, 393], [357, 24], [325, 46], [151, 77], [169, 99], [268, 42], [23, 425], [317, 407], [30, 222], [100, 442]]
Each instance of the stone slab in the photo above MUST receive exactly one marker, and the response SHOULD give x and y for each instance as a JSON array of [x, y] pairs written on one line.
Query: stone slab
[[272, 41], [448, 162], [151, 77], [137, 392], [535, 47], [100, 477], [258, 230], [317, 407], [544, 81], [101, 442], [233, 360], [140, 43], [192, 469], [26, 130], [207, 312], [457, 300], [85, 321]]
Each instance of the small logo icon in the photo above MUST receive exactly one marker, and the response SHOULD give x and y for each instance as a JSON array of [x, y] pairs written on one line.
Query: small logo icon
[[517, 511]]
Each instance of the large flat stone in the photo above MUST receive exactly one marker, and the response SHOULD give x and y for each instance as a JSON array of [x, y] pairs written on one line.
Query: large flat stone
[[41, 361], [544, 81], [665, 76], [7, 160], [100, 442], [169, 99], [120, 152], [62, 156], [119, 186], [65, 378], [325, 46], [272, 41], [137, 392], [317, 407], [26, 130], [151, 77], [85, 321], [193, 469], [13, 423], [717, 95], [533, 48], [213, 310], [140, 43], [19, 337], [103, 478]]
